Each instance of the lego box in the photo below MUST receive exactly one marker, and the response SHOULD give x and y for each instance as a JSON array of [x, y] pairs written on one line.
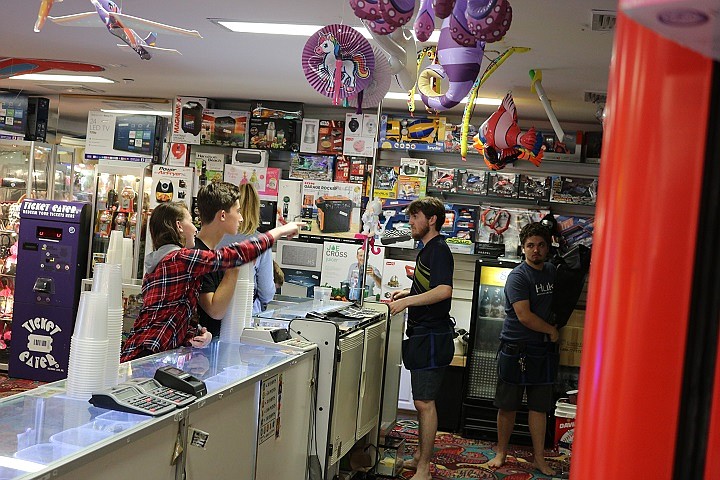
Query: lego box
[[412, 133], [225, 128]]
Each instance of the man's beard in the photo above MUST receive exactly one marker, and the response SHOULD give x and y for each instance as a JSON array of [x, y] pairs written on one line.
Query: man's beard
[[419, 235]]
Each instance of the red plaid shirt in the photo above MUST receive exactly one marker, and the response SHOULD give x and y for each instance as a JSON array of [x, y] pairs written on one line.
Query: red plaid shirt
[[171, 291]]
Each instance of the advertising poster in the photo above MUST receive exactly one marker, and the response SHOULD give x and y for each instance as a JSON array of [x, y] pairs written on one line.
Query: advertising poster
[[265, 180], [100, 138], [331, 209], [171, 184], [342, 265], [187, 120]]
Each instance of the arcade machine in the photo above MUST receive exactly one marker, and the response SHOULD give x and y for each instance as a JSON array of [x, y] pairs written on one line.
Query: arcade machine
[[52, 260]]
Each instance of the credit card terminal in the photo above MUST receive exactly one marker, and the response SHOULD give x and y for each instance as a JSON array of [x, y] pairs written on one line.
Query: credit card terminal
[[154, 388], [126, 398], [176, 379]]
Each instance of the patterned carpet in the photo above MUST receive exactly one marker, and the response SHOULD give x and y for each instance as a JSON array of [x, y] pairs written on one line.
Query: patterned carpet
[[11, 386], [459, 458]]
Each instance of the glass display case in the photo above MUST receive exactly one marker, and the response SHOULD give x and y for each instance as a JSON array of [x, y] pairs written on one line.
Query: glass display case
[[121, 202]]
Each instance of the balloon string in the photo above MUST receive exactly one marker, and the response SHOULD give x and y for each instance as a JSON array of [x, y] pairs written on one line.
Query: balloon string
[[337, 86]]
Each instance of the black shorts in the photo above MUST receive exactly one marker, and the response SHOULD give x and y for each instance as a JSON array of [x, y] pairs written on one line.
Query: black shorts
[[426, 383], [509, 397]]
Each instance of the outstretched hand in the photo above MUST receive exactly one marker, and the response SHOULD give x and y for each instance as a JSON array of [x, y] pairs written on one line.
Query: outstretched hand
[[289, 230], [201, 340]]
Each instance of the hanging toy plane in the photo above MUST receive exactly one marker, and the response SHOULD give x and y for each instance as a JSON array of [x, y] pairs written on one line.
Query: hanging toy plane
[[120, 25], [43, 13]]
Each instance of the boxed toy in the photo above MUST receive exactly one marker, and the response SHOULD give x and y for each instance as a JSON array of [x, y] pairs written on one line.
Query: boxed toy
[[459, 227], [397, 275], [395, 220], [569, 150], [330, 137], [441, 179], [350, 169], [575, 229], [498, 229], [534, 187], [503, 185], [386, 182], [413, 167], [225, 128], [305, 166], [273, 125], [576, 190], [453, 137], [412, 133], [471, 181], [410, 188]]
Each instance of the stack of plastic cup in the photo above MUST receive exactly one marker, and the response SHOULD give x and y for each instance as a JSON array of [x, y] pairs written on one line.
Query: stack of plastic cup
[[108, 279], [115, 248], [239, 314], [88, 347], [127, 258]]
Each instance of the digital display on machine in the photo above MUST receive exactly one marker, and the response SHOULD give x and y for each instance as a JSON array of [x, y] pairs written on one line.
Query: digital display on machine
[[49, 233], [135, 133], [13, 112], [30, 246]]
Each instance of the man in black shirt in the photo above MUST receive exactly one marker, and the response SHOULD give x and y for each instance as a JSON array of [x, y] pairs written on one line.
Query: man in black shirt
[[429, 347]]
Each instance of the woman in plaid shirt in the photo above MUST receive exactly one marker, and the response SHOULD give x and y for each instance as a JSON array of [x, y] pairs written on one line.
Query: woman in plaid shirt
[[173, 273]]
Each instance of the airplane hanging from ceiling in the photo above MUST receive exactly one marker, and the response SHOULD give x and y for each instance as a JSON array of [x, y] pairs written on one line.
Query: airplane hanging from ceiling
[[119, 24]]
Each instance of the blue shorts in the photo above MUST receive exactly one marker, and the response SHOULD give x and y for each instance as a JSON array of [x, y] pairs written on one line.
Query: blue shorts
[[426, 383]]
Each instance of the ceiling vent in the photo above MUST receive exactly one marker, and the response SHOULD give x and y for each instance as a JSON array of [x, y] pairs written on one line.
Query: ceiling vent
[[595, 97], [67, 88], [603, 20]]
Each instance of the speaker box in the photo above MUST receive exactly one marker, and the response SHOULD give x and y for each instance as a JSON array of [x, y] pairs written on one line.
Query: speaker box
[[37, 118]]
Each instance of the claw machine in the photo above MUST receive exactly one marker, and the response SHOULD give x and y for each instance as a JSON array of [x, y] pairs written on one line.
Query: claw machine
[[479, 415], [121, 202]]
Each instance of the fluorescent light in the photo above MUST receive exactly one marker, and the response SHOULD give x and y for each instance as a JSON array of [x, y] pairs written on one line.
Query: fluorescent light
[[162, 113], [62, 78], [478, 101], [291, 29], [18, 464]]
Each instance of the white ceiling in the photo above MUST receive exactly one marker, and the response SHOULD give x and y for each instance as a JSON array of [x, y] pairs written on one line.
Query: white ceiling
[[226, 65]]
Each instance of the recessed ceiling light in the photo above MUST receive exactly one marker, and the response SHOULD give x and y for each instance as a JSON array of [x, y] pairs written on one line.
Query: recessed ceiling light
[[45, 77], [161, 113], [478, 101], [290, 29]]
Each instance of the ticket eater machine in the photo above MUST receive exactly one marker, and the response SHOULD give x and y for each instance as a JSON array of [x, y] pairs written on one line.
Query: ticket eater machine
[[52, 259]]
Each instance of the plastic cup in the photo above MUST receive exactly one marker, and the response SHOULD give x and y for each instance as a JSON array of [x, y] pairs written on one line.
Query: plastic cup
[[322, 293], [45, 453], [115, 422], [81, 436], [91, 320]]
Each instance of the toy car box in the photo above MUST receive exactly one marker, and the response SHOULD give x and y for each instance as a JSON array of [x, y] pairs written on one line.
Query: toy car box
[[395, 218], [568, 151], [471, 181], [534, 187], [225, 128], [441, 179], [503, 185], [412, 133], [575, 190]]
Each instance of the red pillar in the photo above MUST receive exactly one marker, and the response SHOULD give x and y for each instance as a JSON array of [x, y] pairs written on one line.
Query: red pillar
[[643, 258]]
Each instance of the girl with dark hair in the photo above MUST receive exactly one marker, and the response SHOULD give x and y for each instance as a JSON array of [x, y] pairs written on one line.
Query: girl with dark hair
[[173, 272]]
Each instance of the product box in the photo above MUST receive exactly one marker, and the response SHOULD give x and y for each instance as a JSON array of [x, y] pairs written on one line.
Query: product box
[[265, 180], [350, 169], [501, 225], [395, 219], [592, 147], [570, 346], [228, 128], [304, 166], [575, 229], [534, 187], [503, 185], [453, 137], [575, 190], [330, 137], [299, 283], [459, 227], [396, 275], [471, 181], [568, 151], [410, 188], [171, 184], [330, 208], [214, 164], [309, 135], [441, 179], [274, 125], [360, 132], [187, 120], [289, 200], [386, 182], [414, 167], [342, 265], [412, 133]]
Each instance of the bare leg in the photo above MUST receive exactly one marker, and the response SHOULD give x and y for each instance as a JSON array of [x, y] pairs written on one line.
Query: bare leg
[[537, 422], [505, 426], [427, 417]]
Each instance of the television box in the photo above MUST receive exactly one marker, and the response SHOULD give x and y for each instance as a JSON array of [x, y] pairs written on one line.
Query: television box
[[575, 190], [225, 128], [534, 187], [141, 134], [412, 133], [13, 113], [330, 137], [274, 125]]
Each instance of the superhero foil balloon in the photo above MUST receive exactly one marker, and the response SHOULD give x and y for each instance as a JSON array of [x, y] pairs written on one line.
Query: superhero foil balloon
[[501, 142]]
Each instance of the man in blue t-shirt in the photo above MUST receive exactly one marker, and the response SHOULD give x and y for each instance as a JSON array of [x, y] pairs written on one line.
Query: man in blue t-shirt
[[429, 348], [527, 343]]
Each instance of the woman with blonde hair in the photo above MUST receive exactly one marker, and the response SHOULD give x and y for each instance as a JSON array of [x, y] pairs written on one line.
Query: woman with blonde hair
[[264, 279]]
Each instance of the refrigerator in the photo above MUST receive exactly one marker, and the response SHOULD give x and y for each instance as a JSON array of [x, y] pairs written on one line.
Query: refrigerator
[[479, 415]]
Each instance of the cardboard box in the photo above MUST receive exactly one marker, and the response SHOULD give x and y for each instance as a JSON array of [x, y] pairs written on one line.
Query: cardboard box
[[309, 135], [412, 133], [534, 187], [386, 182], [330, 137], [570, 346], [225, 127], [576, 190], [274, 125], [471, 181], [503, 185], [441, 179], [305, 166]]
